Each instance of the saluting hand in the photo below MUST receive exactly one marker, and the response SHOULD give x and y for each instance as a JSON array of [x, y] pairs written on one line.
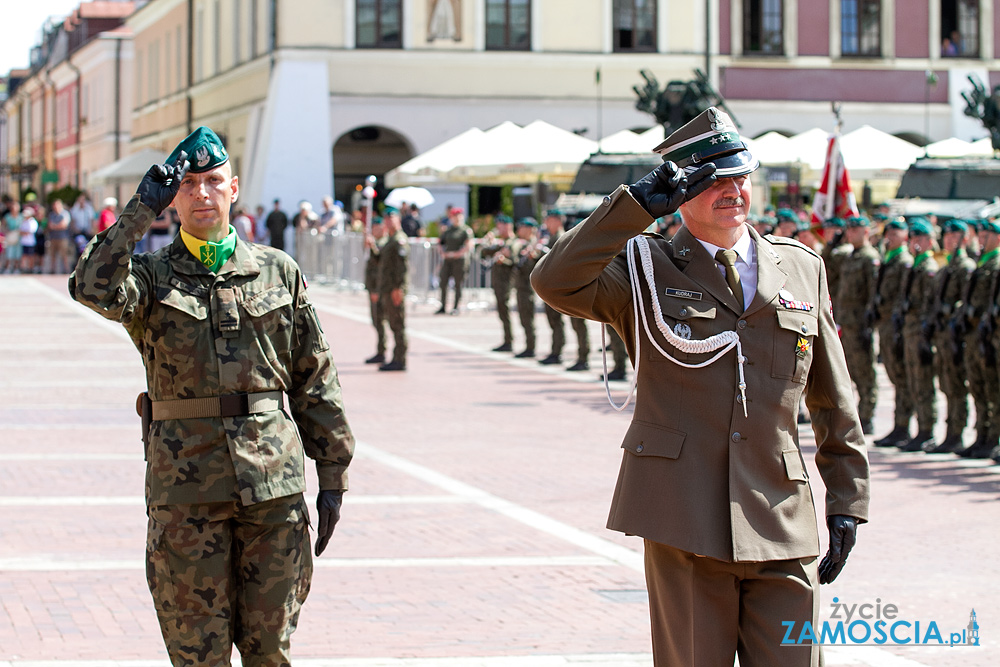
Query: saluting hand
[[843, 535], [160, 184], [663, 190], [328, 506]]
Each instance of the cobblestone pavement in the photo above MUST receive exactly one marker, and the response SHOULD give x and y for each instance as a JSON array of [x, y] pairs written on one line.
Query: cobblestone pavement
[[473, 534]]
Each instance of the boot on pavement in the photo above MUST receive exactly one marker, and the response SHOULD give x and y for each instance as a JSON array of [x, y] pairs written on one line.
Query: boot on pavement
[[525, 355], [949, 445], [981, 449], [393, 366], [506, 347], [550, 360], [897, 435], [921, 441], [579, 366], [377, 359]]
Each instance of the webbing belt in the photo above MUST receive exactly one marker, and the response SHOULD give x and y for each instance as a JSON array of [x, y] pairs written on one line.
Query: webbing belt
[[232, 405]]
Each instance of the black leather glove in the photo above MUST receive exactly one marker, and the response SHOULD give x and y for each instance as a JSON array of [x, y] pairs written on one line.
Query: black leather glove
[[328, 507], [160, 184], [843, 535], [663, 190]]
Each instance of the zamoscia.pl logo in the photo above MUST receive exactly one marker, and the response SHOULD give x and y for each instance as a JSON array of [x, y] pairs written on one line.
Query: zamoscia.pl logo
[[877, 624]]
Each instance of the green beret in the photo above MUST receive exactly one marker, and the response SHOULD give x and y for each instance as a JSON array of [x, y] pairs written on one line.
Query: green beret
[[502, 218], [858, 221], [554, 212], [787, 214], [955, 225], [802, 226], [391, 210], [920, 226], [527, 221], [991, 226], [204, 151], [836, 223], [377, 220], [897, 223]]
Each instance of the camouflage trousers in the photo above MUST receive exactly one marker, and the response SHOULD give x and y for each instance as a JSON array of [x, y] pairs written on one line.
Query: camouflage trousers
[[895, 368], [582, 338], [984, 385], [951, 379], [454, 269], [558, 327], [396, 318], [920, 380], [225, 573], [860, 356], [526, 313], [378, 321], [501, 290]]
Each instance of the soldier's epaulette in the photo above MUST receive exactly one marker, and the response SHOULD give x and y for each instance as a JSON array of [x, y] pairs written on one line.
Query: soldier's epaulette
[[784, 240], [653, 235]]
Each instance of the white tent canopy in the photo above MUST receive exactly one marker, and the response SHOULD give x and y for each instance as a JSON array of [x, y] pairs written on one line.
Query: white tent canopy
[[869, 149], [951, 147], [625, 141], [433, 165], [130, 168]]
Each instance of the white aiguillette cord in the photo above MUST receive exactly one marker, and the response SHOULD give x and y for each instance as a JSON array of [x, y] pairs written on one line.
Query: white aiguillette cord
[[723, 342]]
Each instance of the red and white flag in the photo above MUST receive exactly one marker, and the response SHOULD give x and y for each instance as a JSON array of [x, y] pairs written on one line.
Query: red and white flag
[[834, 199]]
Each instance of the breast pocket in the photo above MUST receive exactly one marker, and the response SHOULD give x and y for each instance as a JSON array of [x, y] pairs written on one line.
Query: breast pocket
[[688, 319], [270, 315], [793, 345], [178, 337]]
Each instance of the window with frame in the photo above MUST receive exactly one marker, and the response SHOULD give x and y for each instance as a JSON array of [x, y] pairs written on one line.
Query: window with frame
[[634, 25], [960, 28], [508, 25], [379, 24], [763, 28], [861, 28]]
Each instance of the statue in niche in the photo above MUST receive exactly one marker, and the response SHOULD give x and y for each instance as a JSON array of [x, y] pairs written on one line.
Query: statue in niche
[[445, 20]]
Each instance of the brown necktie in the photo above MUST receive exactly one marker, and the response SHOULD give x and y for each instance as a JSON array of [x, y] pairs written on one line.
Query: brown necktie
[[728, 259]]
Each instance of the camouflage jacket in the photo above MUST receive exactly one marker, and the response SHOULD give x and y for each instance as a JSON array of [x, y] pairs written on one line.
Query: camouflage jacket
[[251, 328], [952, 282], [371, 267], [856, 286], [501, 266], [889, 283], [454, 239], [917, 304], [394, 264]]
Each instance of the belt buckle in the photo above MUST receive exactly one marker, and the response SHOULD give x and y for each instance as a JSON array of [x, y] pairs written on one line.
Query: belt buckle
[[234, 405]]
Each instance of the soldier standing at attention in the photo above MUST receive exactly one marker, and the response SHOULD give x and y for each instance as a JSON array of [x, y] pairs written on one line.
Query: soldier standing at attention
[[454, 245], [889, 285], [373, 243], [859, 271], [393, 279], [980, 362], [953, 279], [915, 308], [497, 249], [555, 223], [723, 504], [526, 252], [834, 252], [226, 331]]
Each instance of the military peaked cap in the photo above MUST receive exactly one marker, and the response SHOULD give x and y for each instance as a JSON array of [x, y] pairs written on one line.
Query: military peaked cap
[[711, 137]]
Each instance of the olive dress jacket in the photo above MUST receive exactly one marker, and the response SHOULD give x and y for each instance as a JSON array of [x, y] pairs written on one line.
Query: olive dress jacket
[[696, 474]]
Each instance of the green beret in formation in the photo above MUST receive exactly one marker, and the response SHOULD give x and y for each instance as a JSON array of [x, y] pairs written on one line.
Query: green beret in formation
[[502, 218], [837, 223], [920, 226], [858, 221], [955, 225], [527, 221], [897, 223], [991, 226], [204, 151]]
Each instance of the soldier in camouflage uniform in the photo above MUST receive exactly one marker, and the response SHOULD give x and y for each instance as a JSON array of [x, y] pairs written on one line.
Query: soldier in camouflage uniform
[[373, 243], [835, 251], [953, 280], [496, 249], [393, 280], [916, 309], [527, 251], [889, 285], [454, 245], [226, 330], [980, 355], [555, 222], [859, 272]]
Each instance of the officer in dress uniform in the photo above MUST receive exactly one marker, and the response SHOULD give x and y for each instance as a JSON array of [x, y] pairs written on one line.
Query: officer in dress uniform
[[915, 309], [226, 331], [723, 504], [889, 283], [859, 272], [953, 280], [496, 249]]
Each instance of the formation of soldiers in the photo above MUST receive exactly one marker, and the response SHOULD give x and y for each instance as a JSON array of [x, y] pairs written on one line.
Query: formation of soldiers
[[929, 297]]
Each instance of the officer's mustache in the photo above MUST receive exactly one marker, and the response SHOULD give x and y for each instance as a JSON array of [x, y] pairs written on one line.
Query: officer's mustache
[[729, 201]]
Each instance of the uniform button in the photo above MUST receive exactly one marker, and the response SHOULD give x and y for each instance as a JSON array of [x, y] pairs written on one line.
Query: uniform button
[[607, 201], [684, 311], [742, 324], [638, 448], [737, 437], [805, 329]]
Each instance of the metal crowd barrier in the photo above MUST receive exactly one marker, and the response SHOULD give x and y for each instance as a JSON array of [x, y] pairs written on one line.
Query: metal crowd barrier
[[339, 259]]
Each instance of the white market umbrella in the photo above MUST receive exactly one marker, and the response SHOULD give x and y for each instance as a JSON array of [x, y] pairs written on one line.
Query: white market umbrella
[[950, 147], [130, 168], [867, 148], [432, 166], [982, 147], [419, 197], [625, 141]]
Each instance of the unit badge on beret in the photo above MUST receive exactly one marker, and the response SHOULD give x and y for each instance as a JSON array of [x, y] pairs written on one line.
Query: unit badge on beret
[[801, 347], [201, 156], [683, 330]]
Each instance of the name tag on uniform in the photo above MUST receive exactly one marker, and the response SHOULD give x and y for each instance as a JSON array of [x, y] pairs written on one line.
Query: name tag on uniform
[[683, 294]]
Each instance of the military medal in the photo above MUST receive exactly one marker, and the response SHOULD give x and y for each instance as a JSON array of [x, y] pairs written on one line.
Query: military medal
[[801, 347], [786, 299]]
